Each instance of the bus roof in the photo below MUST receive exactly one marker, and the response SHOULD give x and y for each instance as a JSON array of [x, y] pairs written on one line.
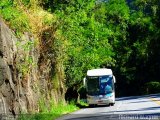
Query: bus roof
[[99, 72]]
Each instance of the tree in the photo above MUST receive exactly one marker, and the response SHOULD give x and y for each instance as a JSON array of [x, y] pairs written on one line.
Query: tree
[[87, 38]]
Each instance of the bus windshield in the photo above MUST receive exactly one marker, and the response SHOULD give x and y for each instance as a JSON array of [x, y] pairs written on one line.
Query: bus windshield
[[93, 85], [99, 85], [106, 84]]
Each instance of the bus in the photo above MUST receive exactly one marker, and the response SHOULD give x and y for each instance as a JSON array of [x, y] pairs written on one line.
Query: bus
[[99, 84]]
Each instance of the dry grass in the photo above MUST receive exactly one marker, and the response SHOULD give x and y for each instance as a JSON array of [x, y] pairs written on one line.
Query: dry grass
[[39, 19]]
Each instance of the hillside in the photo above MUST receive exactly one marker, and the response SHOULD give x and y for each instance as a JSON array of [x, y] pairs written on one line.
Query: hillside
[[31, 78], [46, 47]]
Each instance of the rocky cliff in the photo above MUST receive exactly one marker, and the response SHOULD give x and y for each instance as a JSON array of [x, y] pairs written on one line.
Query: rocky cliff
[[27, 70]]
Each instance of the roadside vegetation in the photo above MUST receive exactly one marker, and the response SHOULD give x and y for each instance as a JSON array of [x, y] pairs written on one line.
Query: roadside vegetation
[[86, 34], [56, 111]]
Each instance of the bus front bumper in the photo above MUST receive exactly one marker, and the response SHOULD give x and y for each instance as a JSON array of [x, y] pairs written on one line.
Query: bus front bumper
[[100, 101]]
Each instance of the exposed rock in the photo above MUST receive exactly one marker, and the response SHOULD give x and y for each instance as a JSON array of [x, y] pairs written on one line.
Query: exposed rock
[[25, 74], [1, 71]]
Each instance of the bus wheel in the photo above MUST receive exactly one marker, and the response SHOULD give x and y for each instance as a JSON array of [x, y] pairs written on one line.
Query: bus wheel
[[91, 105], [112, 104]]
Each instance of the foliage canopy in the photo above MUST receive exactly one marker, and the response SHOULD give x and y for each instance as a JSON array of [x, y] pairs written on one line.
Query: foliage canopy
[[123, 35]]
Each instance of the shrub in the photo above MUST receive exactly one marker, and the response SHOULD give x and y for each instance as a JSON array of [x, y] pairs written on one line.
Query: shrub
[[152, 87]]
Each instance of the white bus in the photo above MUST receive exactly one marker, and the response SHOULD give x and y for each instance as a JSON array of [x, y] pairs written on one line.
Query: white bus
[[100, 88]]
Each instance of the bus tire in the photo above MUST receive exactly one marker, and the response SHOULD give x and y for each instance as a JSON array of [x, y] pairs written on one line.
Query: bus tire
[[91, 105], [112, 104]]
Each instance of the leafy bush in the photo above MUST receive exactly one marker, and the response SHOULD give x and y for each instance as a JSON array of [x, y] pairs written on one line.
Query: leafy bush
[[16, 18], [152, 87]]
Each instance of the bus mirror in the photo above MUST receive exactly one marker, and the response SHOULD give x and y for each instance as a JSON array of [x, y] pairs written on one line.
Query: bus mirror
[[84, 81], [114, 79]]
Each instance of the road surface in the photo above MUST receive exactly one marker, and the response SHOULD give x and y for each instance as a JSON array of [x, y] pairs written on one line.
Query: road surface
[[126, 108]]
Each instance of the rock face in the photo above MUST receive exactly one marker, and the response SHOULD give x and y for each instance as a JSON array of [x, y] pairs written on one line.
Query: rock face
[[25, 74]]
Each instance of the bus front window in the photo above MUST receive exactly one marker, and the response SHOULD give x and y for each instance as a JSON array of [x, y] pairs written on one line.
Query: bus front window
[[93, 85], [106, 85]]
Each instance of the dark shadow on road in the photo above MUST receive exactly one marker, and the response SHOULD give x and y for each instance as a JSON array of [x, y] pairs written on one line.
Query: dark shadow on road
[[128, 98], [144, 101], [138, 97], [155, 116], [148, 108]]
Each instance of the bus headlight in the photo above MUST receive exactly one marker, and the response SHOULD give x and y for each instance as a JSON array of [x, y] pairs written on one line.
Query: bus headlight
[[109, 96]]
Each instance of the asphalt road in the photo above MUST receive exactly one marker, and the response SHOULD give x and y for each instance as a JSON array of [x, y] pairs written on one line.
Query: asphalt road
[[126, 108]]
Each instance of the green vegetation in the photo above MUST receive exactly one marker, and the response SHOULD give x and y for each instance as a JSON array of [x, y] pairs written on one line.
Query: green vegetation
[[13, 15], [152, 87], [56, 111], [87, 41], [86, 34], [82, 103]]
